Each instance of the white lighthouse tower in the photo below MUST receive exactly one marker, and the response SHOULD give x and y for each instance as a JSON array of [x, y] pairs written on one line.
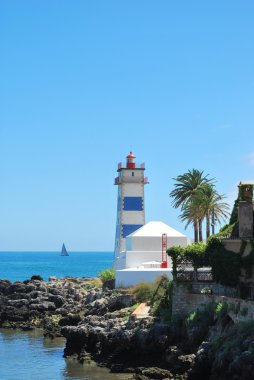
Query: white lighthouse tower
[[130, 203]]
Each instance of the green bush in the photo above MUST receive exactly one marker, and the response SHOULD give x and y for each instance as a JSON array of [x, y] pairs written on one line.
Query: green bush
[[143, 291], [244, 311], [158, 294], [162, 299], [201, 318], [107, 274]]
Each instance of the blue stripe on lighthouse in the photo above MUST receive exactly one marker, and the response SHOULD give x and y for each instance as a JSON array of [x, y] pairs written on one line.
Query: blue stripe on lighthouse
[[129, 228], [133, 203]]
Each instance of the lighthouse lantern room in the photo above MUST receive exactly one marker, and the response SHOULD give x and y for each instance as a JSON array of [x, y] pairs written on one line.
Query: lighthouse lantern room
[[130, 202]]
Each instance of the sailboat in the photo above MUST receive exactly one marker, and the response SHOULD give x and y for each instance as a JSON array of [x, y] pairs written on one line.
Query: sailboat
[[64, 251]]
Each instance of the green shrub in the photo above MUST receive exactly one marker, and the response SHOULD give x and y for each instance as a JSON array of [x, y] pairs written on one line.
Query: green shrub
[[244, 311], [221, 308], [232, 308], [107, 274], [162, 299], [143, 291], [158, 294], [201, 318]]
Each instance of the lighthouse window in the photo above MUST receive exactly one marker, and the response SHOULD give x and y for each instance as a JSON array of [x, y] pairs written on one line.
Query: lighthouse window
[[132, 174]]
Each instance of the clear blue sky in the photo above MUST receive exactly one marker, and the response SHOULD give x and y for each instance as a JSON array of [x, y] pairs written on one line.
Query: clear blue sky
[[81, 82]]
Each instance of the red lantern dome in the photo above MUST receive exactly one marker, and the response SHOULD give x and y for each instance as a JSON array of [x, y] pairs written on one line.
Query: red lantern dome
[[130, 164]]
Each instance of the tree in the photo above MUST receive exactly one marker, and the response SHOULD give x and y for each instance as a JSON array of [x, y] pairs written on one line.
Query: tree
[[212, 204], [184, 190]]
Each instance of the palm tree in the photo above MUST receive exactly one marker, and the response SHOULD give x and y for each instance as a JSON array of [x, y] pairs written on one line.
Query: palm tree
[[213, 205], [193, 213], [185, 188], [205, 203]]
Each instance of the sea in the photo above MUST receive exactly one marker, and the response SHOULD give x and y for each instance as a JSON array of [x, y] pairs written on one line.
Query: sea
[[28, 355]]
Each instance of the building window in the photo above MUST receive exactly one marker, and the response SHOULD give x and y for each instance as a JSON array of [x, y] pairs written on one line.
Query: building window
[[132, 174]]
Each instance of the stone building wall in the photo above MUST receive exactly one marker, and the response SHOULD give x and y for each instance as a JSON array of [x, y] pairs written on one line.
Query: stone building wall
[[185, 302]]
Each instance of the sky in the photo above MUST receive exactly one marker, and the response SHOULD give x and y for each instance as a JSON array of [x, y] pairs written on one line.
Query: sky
[[84, 82]]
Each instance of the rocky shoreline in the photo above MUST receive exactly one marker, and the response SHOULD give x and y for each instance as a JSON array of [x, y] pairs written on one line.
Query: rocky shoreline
[[98, 326]]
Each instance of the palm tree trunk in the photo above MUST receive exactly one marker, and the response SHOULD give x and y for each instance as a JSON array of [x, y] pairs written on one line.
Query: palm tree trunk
[[200, 230], [195, 224], [207, 225]]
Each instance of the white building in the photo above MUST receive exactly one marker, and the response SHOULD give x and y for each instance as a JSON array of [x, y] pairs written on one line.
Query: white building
[[142, 260]]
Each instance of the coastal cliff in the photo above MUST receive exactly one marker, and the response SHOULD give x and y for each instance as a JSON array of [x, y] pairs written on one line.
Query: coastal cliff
[[98, 326]]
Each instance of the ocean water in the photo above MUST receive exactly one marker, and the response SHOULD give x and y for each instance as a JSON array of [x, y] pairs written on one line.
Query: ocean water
[[20, 266], [28, 355]]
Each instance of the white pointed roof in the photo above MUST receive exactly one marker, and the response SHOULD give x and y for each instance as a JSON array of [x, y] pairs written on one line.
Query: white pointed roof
[[154, 229]]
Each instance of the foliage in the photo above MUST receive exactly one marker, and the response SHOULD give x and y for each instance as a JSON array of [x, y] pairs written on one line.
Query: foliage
[[162, 299], [232, 308], [186, 185], [248, 260], [234, 340], [184, 193], [244, 311], [193, 254], [227, 231], [107, 274], [221, 308], [93, 283], [143, 291], [234, 214], [158, 294], [199, 200], [203, 317], [225, 264], [246, 192]]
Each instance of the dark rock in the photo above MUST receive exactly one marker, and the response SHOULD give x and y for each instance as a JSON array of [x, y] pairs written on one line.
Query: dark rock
[[109, 284], [157, 373], [37, 277], [18, 303], [35, 294], [14, 314], [30, 287], [55, 291], [18, 296], [57, 299], [70, 320], [16, 287], [4, 284], [42, 307]]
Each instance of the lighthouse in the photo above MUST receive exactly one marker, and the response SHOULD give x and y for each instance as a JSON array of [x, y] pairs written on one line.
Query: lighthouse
[[130, 202]]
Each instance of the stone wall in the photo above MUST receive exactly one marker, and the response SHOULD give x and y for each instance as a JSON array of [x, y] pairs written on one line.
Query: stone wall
[[216, 288], [185, 302]]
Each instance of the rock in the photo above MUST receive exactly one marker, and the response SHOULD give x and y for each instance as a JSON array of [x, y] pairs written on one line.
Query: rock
[[4, 284], [42, 307], [57, 299], [70, 320], [16, 287], [109, 284], [18, 296], [18, 303], [56, 291], [52, 278], [157, 373], [37, 277]]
